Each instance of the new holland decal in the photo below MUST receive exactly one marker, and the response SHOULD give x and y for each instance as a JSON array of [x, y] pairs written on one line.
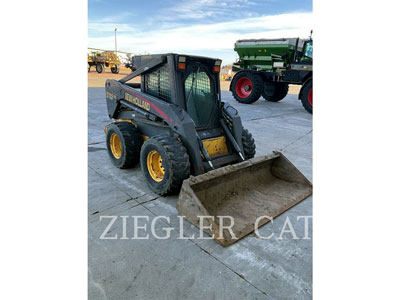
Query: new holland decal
[[138, 102]]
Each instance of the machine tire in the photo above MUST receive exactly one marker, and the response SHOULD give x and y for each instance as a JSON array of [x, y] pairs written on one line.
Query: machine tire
[[275, 91], [123, 144], [167, 155], [115, 69], [247, 87], [99, 68], [249, 145], [306, 96]]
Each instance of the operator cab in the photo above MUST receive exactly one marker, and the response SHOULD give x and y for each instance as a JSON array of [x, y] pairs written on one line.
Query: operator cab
[[190, 82], [199, 82]]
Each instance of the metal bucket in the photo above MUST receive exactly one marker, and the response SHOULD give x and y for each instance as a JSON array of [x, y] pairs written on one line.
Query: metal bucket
[[262, 186]]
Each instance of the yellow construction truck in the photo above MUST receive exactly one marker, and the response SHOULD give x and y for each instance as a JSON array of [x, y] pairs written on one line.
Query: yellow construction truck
[[102, 60]]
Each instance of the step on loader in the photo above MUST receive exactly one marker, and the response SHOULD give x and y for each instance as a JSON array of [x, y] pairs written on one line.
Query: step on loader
[[185, 138]]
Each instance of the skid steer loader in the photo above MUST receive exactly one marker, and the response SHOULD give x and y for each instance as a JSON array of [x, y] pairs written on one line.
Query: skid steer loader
[[175, 125]]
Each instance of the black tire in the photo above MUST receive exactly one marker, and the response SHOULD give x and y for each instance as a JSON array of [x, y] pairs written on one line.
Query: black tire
[[99, 68], [130, 142], [249, 145], [306, 92], [88, 68], [174, 160], [115, 69], [275, 91], [247, 87]]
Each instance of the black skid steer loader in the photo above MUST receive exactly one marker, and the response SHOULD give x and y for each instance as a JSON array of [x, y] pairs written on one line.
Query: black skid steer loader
[[175, 125]]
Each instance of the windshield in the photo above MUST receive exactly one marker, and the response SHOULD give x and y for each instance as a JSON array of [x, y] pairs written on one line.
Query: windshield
[[308, 50], [199, 97]]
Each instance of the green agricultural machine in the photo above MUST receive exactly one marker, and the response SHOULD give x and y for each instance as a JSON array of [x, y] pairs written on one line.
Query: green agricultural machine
[[267, 66]]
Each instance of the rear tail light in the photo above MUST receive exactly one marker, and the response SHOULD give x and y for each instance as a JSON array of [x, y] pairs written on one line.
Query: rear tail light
[[181, 62], [217, 66]]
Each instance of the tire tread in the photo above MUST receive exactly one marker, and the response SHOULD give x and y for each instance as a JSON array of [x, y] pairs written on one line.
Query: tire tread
[[258, 87], [304, 97], [281, 90], [132, 141], [249, 145], [180, 164]]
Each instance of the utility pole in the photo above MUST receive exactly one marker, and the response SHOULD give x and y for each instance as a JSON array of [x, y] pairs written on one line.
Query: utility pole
[[115, 30]]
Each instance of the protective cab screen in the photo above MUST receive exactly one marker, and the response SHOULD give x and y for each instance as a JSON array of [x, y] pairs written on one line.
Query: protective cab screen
[[157, 83]]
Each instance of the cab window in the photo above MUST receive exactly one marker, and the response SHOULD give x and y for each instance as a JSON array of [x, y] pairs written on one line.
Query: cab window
[[200, 100], [308, 51]]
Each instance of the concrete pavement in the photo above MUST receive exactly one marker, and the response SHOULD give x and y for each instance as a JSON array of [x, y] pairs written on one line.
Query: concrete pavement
[[174, 268]]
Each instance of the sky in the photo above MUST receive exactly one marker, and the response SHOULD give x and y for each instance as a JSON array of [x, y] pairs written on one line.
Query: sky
[[198, 27]]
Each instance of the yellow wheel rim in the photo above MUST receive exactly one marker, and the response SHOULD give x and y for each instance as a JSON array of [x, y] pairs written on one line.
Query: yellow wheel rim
[[154, 166], [115, 145]]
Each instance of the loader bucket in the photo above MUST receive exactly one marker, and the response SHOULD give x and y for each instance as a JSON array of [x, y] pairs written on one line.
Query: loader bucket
[[262, 186]]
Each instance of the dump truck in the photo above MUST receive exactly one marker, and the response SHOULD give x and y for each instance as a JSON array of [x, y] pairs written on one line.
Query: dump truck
[[175, 125], [102, 60], [267, 66]]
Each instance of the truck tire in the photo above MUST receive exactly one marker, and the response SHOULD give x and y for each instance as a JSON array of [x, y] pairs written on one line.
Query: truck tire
[[123, 144], [99, 68], [165, 164], [275, 91], [306, 96], [247, 87], [115, 69], [249, 145]]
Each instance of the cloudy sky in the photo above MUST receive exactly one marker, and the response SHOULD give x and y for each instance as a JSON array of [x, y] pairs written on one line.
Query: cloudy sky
[[200, 27]]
